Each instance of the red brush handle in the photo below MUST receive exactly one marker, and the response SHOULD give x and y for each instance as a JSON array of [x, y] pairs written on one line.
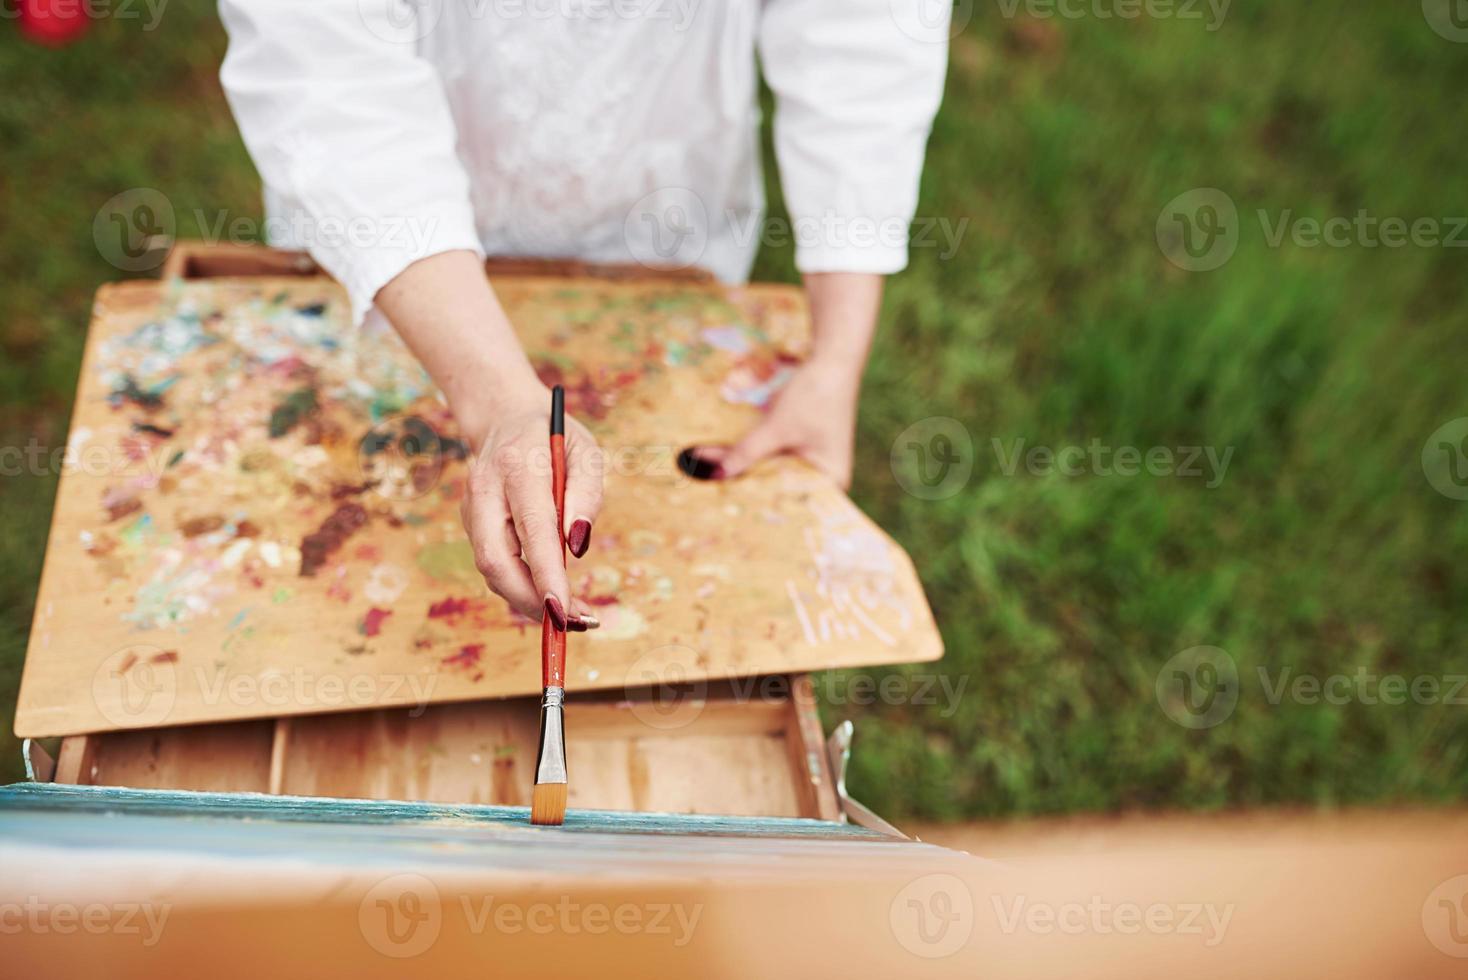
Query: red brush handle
[[552, 640]]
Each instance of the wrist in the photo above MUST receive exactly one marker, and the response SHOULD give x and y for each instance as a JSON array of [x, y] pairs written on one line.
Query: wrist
[[501, 394], [836, 364]]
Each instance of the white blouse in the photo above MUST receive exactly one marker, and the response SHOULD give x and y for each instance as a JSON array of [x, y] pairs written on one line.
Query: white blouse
[[609, 130]]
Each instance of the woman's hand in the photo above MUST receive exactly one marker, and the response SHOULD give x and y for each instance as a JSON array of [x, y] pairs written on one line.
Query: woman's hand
[[449, 316], [510, 513], [813, 417]]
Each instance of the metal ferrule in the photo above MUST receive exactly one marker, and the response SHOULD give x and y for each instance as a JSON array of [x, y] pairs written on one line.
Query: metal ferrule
[[550, 766]]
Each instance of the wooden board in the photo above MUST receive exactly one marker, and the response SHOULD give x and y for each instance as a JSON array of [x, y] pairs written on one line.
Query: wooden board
[[242, 532], [656, 751]]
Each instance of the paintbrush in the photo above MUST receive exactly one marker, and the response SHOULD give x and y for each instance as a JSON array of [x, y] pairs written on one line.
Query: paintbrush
[[548, 803]]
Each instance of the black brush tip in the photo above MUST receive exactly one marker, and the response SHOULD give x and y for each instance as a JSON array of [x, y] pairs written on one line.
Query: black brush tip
[[558, 411]]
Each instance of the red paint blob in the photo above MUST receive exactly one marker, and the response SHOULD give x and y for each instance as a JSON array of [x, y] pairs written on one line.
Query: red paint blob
[[372, 622], [466, 657]]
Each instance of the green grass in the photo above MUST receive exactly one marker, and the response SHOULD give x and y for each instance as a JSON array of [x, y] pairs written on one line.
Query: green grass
[[1059, 321]]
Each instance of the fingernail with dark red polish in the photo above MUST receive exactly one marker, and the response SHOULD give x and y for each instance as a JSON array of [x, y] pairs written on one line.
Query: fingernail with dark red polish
[[556, 612], [580, 537]]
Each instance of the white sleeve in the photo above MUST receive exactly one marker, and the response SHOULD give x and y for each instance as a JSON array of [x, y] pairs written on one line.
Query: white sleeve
[[350, 129], [855, 95]]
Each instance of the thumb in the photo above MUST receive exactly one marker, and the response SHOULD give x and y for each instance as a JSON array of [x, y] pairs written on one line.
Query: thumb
[[761, 441]]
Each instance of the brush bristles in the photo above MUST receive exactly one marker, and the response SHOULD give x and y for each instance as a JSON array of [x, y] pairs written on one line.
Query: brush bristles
[[548, 804]]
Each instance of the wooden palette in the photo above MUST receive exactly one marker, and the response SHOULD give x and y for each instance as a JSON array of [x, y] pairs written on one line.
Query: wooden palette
[[259, 512]]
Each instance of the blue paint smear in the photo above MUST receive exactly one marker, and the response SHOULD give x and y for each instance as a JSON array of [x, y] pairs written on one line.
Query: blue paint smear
[[358, 833]]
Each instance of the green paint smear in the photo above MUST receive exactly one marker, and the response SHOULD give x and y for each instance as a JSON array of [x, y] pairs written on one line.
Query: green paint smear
[[289, 413], [450, 562]]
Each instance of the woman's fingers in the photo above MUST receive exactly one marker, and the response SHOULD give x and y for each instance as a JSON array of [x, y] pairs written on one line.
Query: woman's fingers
[[533, 509], [487, 519], [584, 469], [763, 440]]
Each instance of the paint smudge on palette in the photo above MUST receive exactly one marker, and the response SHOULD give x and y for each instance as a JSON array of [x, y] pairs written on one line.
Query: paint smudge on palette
[[853, 591], [467, 657], [372, 622], [321, 544]]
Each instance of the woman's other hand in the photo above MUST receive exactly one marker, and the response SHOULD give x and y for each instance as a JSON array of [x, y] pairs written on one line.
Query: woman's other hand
[[814, 415]]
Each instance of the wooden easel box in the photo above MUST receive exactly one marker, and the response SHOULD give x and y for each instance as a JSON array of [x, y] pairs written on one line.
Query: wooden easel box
[[751, 746]]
